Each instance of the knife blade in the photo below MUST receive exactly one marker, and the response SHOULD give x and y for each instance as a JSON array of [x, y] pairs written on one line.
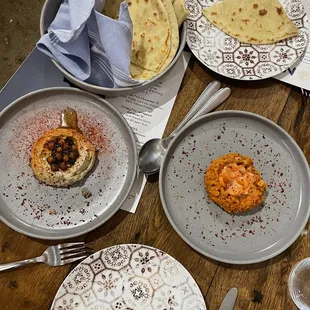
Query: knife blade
[[229, 300]]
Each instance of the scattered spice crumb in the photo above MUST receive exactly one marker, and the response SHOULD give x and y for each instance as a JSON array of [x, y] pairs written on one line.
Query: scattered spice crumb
[[52, 211], [257, 297], [13, 284], [86, 193], [4, 246]]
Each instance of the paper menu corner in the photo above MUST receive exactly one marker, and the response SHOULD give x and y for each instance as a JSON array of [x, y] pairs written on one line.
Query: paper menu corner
[[299, 73], [147, 113]]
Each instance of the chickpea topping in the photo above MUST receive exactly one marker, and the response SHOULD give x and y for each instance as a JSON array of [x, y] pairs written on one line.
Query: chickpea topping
[[64, 153], [59, 156], [50, 160], [51, 145], [54, 167], [61, 142], [72, 155], [65, 146], [63, 166]]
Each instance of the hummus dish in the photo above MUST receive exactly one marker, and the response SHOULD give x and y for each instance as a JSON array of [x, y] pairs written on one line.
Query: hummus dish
[[234, 184], [63, 156]]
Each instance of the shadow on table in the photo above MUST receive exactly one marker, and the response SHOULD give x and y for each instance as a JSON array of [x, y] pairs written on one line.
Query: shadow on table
[[108, 226]]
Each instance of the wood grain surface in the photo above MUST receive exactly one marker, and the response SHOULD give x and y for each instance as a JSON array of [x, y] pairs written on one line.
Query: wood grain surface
[[35, 287]]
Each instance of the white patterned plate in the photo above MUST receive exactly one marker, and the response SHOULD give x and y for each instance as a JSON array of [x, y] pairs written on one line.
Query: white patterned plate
[[227, 56], [129, 277]]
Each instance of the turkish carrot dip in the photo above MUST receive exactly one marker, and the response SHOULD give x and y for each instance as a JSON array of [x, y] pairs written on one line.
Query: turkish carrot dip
[[234, 184]]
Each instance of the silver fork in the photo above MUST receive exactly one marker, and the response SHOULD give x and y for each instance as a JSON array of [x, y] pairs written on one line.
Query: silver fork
[[56, 255], [305, 94], [305, 97]]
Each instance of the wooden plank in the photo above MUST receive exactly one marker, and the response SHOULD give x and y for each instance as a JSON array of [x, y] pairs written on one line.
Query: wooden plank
[[35, 287]]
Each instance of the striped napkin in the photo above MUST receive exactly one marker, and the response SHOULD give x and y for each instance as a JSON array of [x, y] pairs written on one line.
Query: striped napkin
[[92, 47]]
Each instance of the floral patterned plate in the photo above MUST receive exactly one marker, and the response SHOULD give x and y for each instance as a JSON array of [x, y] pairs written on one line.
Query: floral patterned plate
[[129, 277], [227, 56]]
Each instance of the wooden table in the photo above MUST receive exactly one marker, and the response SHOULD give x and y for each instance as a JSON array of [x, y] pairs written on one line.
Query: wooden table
[[35, 287]]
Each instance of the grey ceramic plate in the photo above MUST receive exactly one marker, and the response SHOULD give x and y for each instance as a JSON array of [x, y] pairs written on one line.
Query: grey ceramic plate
[[129, 276], [46, 212], [249, 237]]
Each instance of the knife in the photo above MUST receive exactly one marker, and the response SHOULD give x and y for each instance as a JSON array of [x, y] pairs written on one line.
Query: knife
[[229, 300]]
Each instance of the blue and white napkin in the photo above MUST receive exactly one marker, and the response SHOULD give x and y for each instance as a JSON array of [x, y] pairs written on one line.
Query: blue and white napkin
[[92, 47]]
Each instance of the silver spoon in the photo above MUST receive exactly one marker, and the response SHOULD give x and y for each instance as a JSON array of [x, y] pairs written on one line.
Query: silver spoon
[[207, 93], [146, 151], [153, 151]]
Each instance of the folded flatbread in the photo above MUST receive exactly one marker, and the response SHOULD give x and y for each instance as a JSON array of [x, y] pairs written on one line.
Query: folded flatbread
[[180, 10], [155, 35], [252, 21]]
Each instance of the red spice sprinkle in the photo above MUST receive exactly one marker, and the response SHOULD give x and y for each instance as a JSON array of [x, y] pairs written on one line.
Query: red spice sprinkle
[[34, 125]]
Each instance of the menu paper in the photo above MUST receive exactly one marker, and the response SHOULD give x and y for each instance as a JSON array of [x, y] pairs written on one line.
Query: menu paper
[[147, 113], [299, 74]]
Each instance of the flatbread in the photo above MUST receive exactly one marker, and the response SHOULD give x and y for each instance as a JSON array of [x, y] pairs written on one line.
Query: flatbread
[[143, 72], [111, 8], [139, 73], [252, 21], [151, 33], [155, 35], [180, 10]]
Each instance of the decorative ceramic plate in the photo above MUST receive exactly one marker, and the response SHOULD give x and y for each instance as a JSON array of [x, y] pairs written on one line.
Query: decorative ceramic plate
[[46, 212], [247, 237], [129, 277], [227, 56]]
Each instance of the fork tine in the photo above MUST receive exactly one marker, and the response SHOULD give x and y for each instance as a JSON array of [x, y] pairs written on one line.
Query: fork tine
[[70, 245], [73, 254], [75, 251], [72, 260], [305, 95], [71, 250]]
